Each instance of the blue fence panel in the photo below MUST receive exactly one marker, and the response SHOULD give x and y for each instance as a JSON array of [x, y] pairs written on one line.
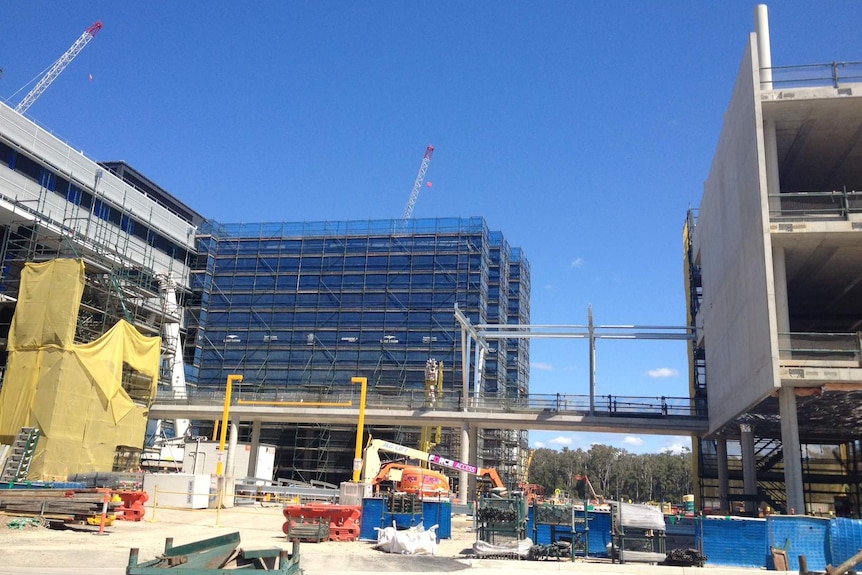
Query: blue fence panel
[[735, 542], [600, 534], [438, 513], [799, 535], [845, 539], [372, 518]]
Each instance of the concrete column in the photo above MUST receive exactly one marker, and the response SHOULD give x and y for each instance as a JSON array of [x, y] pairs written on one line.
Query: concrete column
[[255, 448], [749, 465], [723, 483], [773, 179], [790, 446], [782, 308], [463, 482]]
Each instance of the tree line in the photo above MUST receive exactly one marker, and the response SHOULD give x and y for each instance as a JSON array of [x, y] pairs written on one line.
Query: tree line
[[614, 473]]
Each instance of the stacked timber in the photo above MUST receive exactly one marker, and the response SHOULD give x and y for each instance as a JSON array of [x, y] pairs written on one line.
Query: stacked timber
[[67, 505]]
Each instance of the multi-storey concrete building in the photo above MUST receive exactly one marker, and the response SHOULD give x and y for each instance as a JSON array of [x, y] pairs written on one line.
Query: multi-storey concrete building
[[307, 306], [775, 263]]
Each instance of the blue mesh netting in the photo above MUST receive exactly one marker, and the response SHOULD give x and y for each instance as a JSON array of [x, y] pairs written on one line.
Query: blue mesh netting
[[733, 542], [799, 535], [845, 538]]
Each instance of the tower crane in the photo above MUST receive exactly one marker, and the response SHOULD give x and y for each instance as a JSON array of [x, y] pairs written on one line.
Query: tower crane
[[58, 67], [417, 185]]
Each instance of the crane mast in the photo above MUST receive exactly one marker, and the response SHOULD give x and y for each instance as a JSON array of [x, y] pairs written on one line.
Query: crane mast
[[417, 185], [58, 67]]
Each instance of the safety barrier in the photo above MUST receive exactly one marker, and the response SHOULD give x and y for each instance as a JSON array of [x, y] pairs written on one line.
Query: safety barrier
[[342, 520]]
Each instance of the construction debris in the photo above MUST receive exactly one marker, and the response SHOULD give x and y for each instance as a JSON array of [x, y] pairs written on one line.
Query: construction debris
[[216, 555], [62, 505]]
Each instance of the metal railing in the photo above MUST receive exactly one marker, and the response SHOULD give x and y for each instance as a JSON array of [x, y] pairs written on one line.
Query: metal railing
[[822, 348], [830, 74], [834, 205], [559, 403]]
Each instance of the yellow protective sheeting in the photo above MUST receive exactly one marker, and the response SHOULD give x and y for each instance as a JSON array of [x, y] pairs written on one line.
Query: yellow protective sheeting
[[73, 393], [50, 313]]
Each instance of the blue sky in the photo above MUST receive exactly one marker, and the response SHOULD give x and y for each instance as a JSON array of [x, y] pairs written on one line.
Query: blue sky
[[581, 130]]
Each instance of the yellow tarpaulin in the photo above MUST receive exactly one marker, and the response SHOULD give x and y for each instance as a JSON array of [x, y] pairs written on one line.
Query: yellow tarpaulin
[[72, 393]]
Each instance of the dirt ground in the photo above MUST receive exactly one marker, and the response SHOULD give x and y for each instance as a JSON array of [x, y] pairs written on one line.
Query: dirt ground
[[31, 544]]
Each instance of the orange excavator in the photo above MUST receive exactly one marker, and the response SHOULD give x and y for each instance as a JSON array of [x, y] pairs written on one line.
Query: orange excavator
[[407, 478]]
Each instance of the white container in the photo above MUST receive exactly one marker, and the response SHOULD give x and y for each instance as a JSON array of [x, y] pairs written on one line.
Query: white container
[[178, 490], [202, 457], [353, 493]]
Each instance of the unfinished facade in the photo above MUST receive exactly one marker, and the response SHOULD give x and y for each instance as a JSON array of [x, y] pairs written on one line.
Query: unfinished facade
[[774, 259], [306, 306], [133, 238]]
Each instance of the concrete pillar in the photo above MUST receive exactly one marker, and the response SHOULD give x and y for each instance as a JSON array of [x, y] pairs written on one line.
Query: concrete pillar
[[463, 482], [228, 483], [790, 446], [773, 179], [723, 483], [255, 448], [749, 465], [779, 271]]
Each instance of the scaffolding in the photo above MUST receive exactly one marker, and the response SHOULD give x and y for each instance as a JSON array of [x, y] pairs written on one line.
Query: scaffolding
[[128, 241], [306, 306]]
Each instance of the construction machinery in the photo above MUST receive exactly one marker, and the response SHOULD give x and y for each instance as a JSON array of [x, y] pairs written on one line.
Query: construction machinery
[[413, 478], [417, 185], [533, 492], [58, 67], [430, 436]]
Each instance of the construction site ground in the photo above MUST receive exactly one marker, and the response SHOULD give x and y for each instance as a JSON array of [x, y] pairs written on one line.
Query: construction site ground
[[80, 550]]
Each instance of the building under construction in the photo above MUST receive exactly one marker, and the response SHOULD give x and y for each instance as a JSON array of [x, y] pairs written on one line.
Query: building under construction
[[289, 306], [135, 242], [309, 305], [775, 282]]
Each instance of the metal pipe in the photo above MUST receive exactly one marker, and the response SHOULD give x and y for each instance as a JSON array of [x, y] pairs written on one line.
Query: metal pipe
[[764, 52], [224, 422], [357, 455]]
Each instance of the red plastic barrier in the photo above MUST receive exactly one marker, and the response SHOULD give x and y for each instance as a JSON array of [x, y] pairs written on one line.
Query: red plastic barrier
[[344, 520], [132, 508]]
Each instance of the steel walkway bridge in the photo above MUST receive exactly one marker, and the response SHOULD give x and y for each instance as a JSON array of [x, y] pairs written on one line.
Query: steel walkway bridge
[[537, 412]]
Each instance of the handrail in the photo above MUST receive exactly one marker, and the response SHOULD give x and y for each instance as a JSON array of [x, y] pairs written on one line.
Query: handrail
[[828, 74], [572, 404]]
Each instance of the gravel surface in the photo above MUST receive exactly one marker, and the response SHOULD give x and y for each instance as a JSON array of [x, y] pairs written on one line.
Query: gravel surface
[[33, 545]]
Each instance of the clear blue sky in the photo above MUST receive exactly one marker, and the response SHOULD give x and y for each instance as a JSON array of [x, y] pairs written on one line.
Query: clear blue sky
[[581, 130]]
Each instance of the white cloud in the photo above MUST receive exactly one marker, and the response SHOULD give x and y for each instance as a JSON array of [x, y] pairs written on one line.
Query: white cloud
[[541, 366], [561, 440], [677, 445], [577, 262], [663, 372], [635, 441], [539, 444]]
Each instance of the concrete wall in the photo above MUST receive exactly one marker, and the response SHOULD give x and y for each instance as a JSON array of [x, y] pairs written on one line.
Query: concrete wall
[[733, 238]]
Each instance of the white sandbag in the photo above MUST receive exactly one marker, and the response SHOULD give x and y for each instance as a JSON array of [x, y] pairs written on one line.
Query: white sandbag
[[426, 541], [385, 536]]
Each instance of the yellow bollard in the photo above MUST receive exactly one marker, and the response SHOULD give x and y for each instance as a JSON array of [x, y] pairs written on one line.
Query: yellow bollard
[[218, 507], [155, 501]]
